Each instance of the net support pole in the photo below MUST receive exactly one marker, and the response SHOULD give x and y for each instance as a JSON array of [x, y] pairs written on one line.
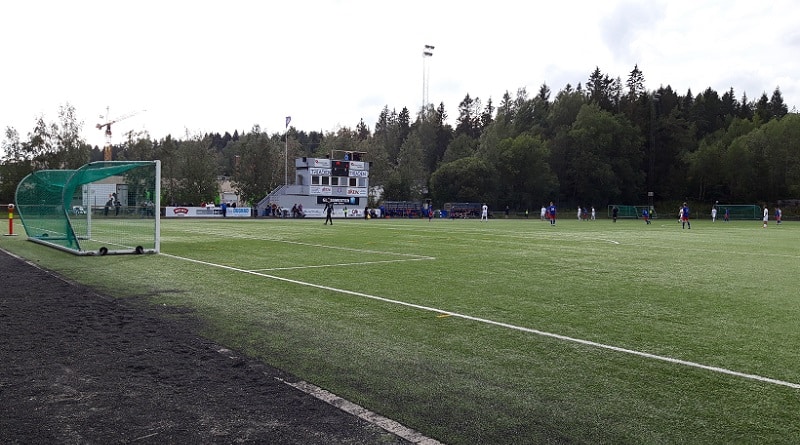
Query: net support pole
[[10, 220], [89, 209], [157, 207]]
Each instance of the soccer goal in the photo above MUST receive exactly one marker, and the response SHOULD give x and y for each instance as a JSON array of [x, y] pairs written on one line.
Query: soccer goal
[[739, 211], [102, 208], [628, 211]]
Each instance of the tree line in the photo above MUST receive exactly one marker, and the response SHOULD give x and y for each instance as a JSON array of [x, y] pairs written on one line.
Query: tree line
[[596, 143]]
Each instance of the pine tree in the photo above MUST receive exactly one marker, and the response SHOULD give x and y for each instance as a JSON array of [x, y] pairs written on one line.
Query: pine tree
[[777, 108], [635, 83]]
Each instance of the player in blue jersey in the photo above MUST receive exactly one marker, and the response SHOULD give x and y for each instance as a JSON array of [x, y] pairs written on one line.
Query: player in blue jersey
[[685, 216], [551, 213]]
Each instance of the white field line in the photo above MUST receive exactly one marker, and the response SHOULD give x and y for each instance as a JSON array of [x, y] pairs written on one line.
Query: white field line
[[507, 326], [496, 232], [361, 263], [299, 243], [359, 411]]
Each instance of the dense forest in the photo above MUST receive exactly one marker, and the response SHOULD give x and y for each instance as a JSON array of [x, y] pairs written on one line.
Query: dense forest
[[593, 144]]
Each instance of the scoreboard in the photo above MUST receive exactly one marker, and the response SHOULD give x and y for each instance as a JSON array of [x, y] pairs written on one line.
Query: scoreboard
[[340, 168]]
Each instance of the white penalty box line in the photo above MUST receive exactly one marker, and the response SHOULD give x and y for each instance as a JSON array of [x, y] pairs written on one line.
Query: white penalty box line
[[404, 256], [565, 338]]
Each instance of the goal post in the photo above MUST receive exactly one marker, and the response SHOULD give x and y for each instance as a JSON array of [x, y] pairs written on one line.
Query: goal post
[[110, 207]]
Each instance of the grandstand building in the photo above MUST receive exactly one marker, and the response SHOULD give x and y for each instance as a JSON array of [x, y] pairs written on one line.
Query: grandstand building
[[342, 178]]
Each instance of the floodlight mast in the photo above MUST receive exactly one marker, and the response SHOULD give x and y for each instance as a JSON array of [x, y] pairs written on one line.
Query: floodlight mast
[[427, 52]]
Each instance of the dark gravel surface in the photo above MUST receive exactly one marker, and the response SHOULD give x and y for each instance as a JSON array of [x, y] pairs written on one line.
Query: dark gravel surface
[[77, 367]]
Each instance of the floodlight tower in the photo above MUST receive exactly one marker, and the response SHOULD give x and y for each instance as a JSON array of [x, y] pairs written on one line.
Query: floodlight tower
[[427, 52]]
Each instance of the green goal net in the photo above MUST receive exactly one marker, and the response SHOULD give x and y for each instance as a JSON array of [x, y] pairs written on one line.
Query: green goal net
[[628, 211], [100, 208], [739, 211]]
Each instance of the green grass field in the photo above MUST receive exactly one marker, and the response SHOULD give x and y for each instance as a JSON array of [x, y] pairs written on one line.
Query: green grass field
[[510, 331]]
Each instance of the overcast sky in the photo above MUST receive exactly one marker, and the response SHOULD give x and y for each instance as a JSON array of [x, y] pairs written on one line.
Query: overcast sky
[[214, 66]]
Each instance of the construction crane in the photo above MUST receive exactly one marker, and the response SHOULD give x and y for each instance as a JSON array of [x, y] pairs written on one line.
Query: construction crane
[[107, 125], [131, 134]]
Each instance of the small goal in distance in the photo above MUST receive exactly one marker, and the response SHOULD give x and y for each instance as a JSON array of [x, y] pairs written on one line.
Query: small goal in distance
[[740, 211]]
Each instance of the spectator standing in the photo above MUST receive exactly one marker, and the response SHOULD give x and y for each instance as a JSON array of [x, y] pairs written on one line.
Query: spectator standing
[[117, 204]]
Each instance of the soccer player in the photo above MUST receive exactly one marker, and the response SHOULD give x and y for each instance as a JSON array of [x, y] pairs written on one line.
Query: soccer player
[[646, 216], [714, 214], [685, 216], [778, 215], [551, 211], [328, 211], [485, 213], [766, 216]]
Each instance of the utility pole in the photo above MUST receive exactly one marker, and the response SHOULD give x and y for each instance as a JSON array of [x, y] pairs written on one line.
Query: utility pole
[[286, 153]]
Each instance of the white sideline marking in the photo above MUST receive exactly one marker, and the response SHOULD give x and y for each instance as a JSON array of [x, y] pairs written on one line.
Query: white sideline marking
[[363, 413], [509, 326]]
